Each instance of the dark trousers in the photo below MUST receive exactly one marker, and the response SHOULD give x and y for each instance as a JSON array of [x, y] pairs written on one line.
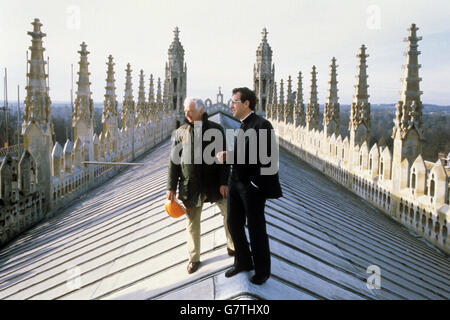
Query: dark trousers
[[246, 202]]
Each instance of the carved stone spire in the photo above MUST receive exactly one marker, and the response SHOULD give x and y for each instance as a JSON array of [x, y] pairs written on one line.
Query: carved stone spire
[[151, 91], [83, 115], [299, 111], [166, 105], [272, 112], [411, 80], [263, 74], [37, 127], [158, 92], [176, 71], [151, 99], [331, 109], [141, 106], [280, 106], [359, 125], [37, 101], [141, 94], [409, 108], [289, 103], [312, 108], [110, 105], [84, 105], [128, 110], [408, 121]]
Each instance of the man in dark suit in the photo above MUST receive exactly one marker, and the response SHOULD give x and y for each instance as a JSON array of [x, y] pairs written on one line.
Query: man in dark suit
[[250, 184]]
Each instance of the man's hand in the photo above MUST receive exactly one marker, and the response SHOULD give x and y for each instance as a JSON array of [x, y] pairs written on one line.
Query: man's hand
[[222, 156], [224, 191], [170, 194]]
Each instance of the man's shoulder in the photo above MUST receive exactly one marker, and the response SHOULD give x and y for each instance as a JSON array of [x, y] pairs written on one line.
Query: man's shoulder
[[183, 127], [212, 124], [181, 131], [262, 122]]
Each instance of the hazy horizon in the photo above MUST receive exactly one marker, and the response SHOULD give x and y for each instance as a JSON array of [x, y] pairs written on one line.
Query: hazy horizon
[[220, 42]]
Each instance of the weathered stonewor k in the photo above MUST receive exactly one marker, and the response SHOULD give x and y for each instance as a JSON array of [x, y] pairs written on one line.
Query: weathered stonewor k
[[359, 125], [407, 132], [110, 113], [263, 74], [289, 107], [151, 105], [299, 107], [46, 176], [280, 105], [312, 108], [175, 81], [141, 106], [37, 127], [331, 109], [83, 113], [411, 190]]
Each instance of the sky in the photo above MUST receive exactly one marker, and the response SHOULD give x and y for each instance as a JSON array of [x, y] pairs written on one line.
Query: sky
[[220, 39]]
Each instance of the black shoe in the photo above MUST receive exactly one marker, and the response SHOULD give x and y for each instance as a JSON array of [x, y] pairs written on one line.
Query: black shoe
[[259, 280], [235, 270], [193, 266], [230, 252]]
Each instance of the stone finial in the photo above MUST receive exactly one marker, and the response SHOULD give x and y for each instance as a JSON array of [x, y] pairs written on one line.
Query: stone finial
[[299, 112], [332, 108], [289, 102], [361, 96], [313, 96], [84, 105], [141, 106], [411, 80], [110, 110], [333, 91], [264, 34], [166, 102], [280, 107], [128, 84], [37, 101], [273, 102], [141, 95], [312, 108], [151, 91], [409, 107], [360, 108], [128, 110], [158, 92]]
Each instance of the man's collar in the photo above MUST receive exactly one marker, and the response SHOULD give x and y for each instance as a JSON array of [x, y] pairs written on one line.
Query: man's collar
[[248, 115]]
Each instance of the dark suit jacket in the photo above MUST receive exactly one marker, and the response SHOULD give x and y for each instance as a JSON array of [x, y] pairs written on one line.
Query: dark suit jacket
[[249, 171]]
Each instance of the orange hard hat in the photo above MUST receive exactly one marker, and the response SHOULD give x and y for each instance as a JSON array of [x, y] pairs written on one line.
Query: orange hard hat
[[174, 208]]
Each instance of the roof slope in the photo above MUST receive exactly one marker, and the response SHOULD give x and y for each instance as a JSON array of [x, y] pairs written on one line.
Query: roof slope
[[123, 245]]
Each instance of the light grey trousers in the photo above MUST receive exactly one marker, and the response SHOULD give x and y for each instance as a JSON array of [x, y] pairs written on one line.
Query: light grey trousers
[[193, 216]]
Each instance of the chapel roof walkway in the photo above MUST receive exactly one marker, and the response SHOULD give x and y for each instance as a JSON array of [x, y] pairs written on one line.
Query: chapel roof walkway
[[121, 242]]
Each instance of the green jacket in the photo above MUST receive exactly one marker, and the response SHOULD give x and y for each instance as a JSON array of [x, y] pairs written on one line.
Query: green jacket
[[196, 179]]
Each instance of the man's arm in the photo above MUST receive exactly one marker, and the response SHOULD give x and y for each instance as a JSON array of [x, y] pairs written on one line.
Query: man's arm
[[224, 168], [174, 171], [269, 142]]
